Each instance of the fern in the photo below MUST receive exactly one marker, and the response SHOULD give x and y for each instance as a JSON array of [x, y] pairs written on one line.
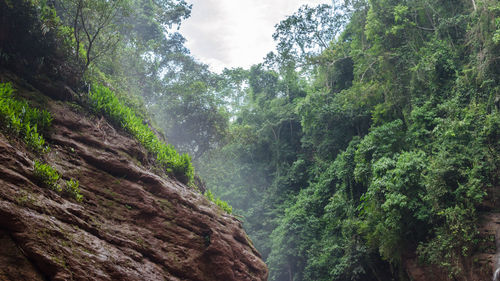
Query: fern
[[104, 101], [222, 204], [19, 119], [47, 175]]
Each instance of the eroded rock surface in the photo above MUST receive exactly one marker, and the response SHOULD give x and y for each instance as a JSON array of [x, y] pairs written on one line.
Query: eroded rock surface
[[132, 224]]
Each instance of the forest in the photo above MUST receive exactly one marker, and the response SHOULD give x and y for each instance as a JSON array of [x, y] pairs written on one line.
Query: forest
[[369, 137]]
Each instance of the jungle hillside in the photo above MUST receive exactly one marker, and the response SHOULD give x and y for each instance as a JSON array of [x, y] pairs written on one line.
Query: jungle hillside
[[366, 146]]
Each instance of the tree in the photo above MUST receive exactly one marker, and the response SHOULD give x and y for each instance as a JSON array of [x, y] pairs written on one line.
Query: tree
[[307, 32], [94, 24], [396, 147], [193, 118]]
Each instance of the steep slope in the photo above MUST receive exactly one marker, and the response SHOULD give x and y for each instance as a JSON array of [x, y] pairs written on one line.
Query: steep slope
[[133, 223], [484, 263]]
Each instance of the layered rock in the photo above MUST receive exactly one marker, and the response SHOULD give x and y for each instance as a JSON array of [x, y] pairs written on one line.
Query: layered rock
[[133, 224]]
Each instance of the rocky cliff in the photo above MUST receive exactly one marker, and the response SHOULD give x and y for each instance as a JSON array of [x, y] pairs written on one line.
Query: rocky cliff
[[133, 223]]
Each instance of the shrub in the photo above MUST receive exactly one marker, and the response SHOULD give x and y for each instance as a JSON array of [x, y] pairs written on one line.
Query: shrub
[[209, 195], [72, 188], [104, 101], [222, 204], [47, 175], [19, 119]]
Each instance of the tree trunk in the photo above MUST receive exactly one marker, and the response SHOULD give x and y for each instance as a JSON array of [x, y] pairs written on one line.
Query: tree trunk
[[76, 30]]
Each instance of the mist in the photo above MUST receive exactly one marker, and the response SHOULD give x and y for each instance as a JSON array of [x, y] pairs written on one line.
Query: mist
[[350, 142]]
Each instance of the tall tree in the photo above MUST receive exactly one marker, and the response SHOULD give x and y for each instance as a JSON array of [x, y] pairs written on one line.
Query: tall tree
[[94, 24]]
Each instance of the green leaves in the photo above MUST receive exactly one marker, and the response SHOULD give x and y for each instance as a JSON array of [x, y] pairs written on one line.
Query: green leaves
[[105, 102], [72, 187], [400, 11], [454, 240], [393, 205], [47, 175], [307, 31], [222, 204], [20, 119]]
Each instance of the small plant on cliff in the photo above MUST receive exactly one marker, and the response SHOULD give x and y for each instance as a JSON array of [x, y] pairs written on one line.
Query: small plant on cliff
[[47, 175], [73, 188], [222, 204], [104, 101], [19, 119]]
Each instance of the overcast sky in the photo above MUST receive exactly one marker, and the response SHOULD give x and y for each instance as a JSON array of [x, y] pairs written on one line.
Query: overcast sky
[[234, 33]]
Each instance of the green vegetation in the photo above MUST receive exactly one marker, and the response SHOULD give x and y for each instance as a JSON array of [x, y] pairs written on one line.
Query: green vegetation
[[381, 145], [73, 188], [47, 175], [222, 204], [105, 102], [20, 119], [50, 177], [371, 134]]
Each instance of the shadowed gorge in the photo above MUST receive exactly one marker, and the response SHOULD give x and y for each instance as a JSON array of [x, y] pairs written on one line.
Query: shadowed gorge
[[365, 146]]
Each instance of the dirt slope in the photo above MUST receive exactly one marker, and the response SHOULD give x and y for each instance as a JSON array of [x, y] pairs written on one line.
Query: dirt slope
[[132, 224]]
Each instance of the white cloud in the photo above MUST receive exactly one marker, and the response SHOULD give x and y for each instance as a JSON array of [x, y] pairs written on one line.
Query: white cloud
[[234, 33]]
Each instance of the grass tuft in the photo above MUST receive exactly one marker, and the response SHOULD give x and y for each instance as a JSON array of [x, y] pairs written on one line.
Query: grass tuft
[[104, 101]]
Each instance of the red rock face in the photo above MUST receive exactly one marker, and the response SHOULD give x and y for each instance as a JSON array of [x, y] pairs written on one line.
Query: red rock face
[[132, 224]]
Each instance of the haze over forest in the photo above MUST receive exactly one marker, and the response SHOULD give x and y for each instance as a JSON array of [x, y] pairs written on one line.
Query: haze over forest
[[364, 146]]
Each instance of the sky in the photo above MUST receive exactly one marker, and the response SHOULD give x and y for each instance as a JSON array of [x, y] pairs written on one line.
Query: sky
[[235, 33]]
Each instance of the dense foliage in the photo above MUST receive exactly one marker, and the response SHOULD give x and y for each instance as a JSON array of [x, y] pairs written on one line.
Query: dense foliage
[[82, 37], [354, 156], [371, 134], [34, 42], [18, 118]]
